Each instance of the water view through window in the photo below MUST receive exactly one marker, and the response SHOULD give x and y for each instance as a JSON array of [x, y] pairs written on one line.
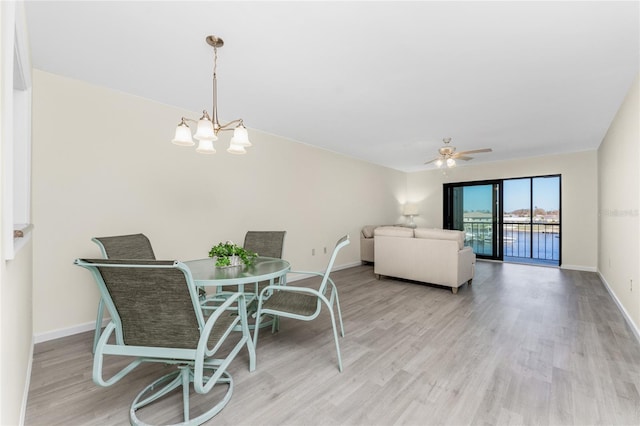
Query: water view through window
[[514, 220]]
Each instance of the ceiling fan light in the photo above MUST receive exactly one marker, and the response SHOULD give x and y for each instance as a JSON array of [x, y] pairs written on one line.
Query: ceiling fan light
[[438, 162], [183, 135], [205, 147], [451, 162]]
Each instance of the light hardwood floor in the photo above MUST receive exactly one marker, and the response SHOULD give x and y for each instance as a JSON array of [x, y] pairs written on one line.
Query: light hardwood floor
[[522, 345]]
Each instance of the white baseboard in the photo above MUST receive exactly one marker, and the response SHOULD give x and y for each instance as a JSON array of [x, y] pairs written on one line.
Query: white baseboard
[[70, 331], [292, 277], [579, 268], [88, 326], [625, 314], [27, 384]]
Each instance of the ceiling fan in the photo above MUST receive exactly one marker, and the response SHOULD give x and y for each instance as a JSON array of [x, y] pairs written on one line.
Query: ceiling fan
[[448, 154]]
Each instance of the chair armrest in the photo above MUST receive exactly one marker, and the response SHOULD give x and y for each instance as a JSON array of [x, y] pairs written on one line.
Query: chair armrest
[[99, 356], [290, 289], [211, 321], [317, 274]]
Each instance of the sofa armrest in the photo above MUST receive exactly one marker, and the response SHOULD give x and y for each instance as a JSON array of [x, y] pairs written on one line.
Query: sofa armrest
[[366, 249], [466, 265]]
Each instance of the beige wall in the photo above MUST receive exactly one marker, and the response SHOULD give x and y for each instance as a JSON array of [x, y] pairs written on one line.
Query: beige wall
[[619, 221], [16, 326], [579, 197], [103, 165], [17, 337]]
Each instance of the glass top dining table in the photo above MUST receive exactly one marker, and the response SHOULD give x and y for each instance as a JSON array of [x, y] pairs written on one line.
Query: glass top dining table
[[205, 273]]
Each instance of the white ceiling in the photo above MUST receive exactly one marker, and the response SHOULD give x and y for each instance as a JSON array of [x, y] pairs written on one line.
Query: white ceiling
[[379, 81]]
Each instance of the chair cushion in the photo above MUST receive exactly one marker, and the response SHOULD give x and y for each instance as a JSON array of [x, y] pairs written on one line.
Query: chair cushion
[[394, 231], [292, 302], [441, 234]]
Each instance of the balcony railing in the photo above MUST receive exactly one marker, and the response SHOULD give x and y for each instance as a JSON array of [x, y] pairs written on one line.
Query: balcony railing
[[521, 240]]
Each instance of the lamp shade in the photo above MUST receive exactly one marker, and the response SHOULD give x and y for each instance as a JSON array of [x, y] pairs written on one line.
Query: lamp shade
[[410, 209], [205, 131], [205, 147], [240, 136], [183, 135], [438, 162]]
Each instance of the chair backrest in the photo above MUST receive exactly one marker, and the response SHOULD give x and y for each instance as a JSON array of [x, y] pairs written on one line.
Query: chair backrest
[[135, 246], [153, 302], [341, 243], [265, 243]]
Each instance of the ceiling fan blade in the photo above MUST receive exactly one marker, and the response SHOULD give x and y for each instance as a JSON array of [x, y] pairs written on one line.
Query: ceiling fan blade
[[475, 151], [431, 161], [462, 157]]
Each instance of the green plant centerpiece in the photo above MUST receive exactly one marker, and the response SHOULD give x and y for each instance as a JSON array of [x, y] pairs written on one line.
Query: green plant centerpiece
[[229, 254]]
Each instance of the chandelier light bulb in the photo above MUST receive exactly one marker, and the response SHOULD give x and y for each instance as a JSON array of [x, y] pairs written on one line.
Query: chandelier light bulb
[[240, 136], [236, 149], [205, 131], [183, 135], [205, 147]]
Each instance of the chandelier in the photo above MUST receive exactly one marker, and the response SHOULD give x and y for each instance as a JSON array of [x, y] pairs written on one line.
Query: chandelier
[[207, 128]]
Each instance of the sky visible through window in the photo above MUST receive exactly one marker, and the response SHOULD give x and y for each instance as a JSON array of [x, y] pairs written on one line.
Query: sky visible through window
[[546, 195]]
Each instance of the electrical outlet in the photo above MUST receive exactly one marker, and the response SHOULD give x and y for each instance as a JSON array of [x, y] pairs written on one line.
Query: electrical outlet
[[313, 252], [325, 250]]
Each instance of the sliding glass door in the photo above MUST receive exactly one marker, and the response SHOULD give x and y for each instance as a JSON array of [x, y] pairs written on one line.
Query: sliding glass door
[[531, 220], [474, 207], [515, 220]]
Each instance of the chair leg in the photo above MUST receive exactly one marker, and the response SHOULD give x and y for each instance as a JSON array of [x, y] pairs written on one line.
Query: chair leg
[[335, 337], [339, 315], [335, 331], [244, 325], [185, 376], [180, 378], [256, 326], [96, 336]]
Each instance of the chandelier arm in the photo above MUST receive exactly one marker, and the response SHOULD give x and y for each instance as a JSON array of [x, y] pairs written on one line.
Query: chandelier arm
[[231, 125]]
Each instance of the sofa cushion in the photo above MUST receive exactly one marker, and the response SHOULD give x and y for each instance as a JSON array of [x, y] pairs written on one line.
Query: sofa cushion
[[367, 230], [394, 231], [441, 234]]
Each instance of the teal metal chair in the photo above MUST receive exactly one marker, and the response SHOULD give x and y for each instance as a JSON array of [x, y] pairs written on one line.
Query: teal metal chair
[[134, 246], [265, 243], [156, 317], [303, 303]]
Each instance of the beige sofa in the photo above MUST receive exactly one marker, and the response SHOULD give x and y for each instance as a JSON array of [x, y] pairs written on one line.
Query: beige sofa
[[366, 242], [436, 256]]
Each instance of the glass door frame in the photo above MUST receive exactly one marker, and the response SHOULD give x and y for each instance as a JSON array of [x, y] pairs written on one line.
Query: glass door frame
[[496, 202], [532, 223]]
